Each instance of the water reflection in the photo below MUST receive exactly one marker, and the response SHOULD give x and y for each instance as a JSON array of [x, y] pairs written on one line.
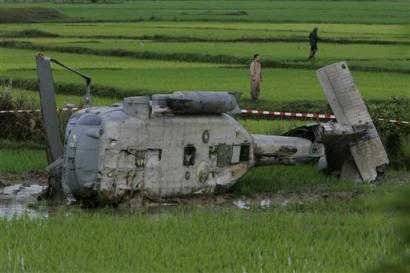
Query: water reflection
[[21, 200]]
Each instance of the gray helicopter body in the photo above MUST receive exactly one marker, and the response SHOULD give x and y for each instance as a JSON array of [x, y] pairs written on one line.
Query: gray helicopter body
[[188, 143]]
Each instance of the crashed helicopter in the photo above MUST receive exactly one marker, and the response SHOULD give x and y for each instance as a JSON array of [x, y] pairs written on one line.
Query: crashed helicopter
[[188, 143]]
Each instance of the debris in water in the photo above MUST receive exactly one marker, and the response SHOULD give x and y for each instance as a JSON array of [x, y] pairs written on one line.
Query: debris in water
[[21, 191], [15, 200], [265, 203], [241, 204]]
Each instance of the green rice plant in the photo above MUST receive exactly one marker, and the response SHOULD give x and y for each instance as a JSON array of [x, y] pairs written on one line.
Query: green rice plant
[[62, 100], [271, 127], [215, 31], [22, 160], [13, 59], [262, 11], [399, 203], [187, 240], [141, 77], [362, 57], [299, 178]]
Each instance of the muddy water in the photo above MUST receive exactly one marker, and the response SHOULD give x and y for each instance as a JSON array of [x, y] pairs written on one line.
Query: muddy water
[[21, 199], [254, 202]]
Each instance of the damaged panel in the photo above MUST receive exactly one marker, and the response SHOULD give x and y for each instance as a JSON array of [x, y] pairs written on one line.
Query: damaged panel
[[223, 155]]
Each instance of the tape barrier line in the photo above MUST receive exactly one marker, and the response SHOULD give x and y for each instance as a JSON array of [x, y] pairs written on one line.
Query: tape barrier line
[[244, 112], [36, 110], [395, 121], [288, 114], [263, 113]]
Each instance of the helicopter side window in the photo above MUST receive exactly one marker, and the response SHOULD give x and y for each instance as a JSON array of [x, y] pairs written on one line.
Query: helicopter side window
[[240, 153], [189, 155], [245, 152]]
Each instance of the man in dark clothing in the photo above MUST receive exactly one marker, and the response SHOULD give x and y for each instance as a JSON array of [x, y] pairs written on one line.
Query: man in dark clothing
[[313, 39]]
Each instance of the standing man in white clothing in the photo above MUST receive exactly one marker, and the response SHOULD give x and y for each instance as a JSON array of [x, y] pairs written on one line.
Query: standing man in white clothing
[[256, 76]]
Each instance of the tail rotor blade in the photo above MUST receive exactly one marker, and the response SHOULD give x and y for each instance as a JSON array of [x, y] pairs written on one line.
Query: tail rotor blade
[[350, 110]]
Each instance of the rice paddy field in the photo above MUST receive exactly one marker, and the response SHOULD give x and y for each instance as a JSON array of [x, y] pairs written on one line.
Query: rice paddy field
[[130, 48]]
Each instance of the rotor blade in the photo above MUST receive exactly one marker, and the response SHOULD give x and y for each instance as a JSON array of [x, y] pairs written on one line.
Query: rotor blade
[[49, 108], [350, 110]]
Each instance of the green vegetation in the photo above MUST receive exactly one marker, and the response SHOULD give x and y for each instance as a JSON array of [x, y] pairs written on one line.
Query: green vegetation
[[32, 14], [386, 12], [279, 84], [319, 224], [382, 58], [214, 31], [22, 160], [342, 240], [62, 100]]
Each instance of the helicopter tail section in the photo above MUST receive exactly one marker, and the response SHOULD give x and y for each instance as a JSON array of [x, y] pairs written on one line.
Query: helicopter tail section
[[367, 154]]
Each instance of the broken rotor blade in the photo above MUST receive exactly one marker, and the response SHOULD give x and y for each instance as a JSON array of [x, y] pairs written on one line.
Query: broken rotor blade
[[49, 108], [350, 110]]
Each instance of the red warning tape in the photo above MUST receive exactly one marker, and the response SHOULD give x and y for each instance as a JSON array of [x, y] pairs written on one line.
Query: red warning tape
[[288, 114], [36, 110], [245, 112], [263, 113]]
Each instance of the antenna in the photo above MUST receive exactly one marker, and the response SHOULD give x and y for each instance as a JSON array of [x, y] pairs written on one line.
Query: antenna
[[87, 99]]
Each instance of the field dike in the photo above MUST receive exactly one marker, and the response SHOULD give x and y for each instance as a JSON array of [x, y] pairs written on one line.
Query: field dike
[[186, 57], [30, 15], [319, 106], [34, 33], [311, 106], [79, 89], [29, 33]]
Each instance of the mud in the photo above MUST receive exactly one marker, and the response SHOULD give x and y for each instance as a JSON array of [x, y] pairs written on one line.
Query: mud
[[27, 178], [19, 199], [234, 201]]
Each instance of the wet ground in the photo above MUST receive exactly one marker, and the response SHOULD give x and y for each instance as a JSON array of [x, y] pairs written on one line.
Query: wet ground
[[19, 194], [256, 201], [21, 199]]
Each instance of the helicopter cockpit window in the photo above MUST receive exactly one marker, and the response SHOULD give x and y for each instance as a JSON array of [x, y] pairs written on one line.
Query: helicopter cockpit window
[[189, 155]]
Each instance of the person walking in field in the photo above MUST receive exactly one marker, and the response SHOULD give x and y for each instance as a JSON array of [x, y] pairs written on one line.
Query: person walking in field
[[256, 76], [313, 39]]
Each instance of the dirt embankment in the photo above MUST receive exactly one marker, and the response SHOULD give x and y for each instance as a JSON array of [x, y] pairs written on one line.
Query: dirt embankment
[[29, 15]]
